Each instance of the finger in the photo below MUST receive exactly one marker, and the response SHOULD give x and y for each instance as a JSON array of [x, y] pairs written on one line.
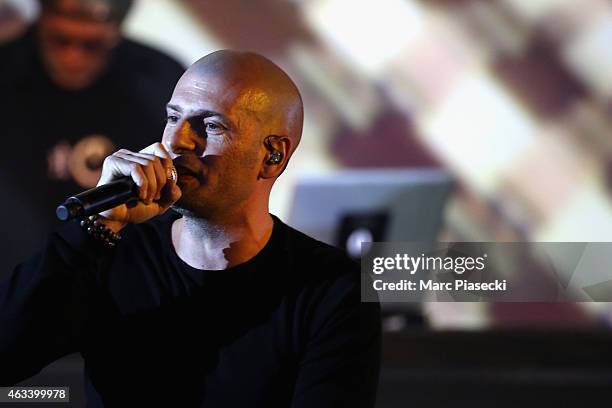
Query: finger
[[150, 149], [148, 156], [152, 169], [131, 156], [149, 159], [160, 176], [122, 164], [140, 169], [140, 178], [160, 151], [125, 167], [117, 165], [152, 182], [155, 150]]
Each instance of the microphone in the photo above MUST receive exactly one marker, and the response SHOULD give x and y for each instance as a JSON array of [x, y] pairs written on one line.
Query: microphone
[[121, 191]]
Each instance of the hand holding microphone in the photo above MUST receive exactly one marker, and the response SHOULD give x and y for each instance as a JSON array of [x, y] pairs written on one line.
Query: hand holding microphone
[[133, 187]]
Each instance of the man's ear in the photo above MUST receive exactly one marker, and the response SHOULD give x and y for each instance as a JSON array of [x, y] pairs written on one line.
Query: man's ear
[[277, 156]]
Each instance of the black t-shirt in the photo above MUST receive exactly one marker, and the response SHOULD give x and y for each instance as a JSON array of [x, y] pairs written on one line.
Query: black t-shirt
[[54, 140], [285, 328]]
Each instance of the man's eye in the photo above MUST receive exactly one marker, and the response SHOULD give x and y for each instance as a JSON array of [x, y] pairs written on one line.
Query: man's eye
[[172, 119], [213, 128]]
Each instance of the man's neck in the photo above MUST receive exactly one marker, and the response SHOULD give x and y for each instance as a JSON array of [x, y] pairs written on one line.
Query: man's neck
[[204, 244]]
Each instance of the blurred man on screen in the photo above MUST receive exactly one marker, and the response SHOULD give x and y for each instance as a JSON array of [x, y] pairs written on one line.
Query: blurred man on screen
[[72, 91]]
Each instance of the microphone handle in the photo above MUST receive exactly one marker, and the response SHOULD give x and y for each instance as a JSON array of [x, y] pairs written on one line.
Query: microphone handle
[[98, 199]]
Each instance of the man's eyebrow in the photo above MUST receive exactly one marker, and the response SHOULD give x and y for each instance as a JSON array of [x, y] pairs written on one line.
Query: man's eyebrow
[[202, 112], [174, 107], [205, 113]]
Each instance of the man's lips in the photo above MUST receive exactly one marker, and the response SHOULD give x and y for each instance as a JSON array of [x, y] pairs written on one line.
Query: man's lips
[[183, 173], [186, 171], [189, 166], [188, 175]]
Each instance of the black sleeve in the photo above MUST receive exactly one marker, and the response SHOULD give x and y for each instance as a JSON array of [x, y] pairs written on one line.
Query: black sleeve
[[341, 364], [46, 301]]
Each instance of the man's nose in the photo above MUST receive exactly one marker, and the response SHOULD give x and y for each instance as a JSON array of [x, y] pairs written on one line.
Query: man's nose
[[185, 139]]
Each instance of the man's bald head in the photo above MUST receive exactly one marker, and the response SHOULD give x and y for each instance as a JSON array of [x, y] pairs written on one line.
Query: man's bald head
[[270, 94], [234, 120]]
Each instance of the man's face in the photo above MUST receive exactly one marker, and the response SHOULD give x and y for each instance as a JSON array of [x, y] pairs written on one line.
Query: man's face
[[75, 52], [215, 135]]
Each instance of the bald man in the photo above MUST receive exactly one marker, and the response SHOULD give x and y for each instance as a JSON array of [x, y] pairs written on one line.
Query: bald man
[[206, 299]]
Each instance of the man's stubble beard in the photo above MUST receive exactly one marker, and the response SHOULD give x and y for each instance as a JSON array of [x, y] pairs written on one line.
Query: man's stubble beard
[[199, 207], [191, 211], [184, 211], [198, 225]]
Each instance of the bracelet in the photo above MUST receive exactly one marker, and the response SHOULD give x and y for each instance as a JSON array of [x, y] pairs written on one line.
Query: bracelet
[[99, 231]]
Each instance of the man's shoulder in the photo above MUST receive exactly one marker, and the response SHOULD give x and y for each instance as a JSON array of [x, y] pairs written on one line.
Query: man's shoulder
[[16, 56], [329, 284], [316, 263], [310, 249]]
